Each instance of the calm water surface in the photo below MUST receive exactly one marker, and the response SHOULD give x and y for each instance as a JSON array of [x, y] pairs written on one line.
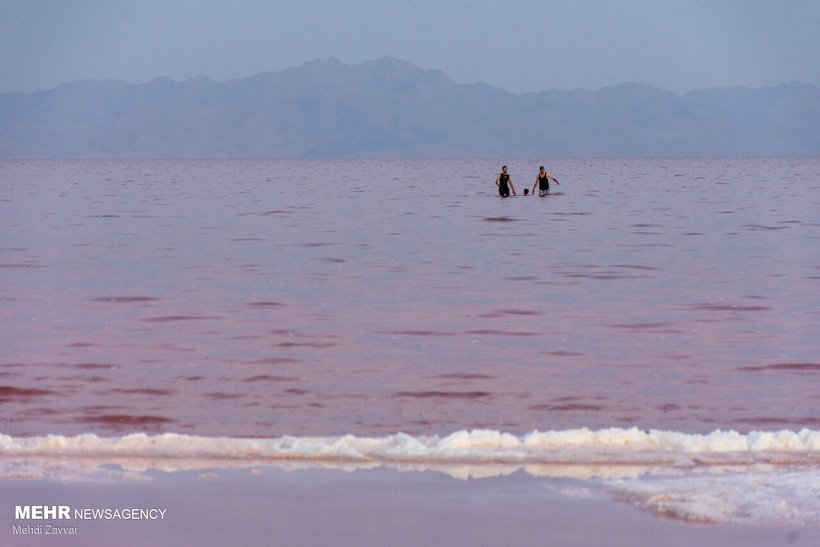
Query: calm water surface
[[261, 298]]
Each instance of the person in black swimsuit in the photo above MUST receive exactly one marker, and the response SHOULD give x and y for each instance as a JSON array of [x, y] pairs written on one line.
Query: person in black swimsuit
[[542, 181], [504, 183]]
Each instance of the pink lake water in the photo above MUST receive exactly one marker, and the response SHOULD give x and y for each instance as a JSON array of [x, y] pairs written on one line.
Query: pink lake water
[[652, 330], [371, 297]]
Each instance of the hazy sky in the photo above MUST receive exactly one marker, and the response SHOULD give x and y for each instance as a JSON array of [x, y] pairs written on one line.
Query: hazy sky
[[520, 45]]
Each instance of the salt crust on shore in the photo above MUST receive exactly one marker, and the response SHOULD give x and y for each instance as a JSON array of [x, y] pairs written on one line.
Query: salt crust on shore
[[722, 477]]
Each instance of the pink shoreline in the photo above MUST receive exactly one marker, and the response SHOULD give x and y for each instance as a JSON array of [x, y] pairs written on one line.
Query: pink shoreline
[[269, 506]]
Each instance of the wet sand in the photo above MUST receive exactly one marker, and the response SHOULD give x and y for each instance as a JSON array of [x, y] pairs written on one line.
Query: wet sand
[[317, 507]]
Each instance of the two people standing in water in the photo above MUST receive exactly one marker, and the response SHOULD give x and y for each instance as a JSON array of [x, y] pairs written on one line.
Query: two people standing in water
[[542, 182]]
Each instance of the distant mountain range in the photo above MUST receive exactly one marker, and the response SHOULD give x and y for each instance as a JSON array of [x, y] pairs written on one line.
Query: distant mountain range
[[390, 107]]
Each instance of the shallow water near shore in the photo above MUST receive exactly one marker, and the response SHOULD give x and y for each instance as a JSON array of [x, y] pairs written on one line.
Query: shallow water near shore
[[369, 299], [265, 506]]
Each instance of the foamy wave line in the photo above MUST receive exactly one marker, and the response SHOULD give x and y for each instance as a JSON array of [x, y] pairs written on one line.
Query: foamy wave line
[[612, 446], [724, 476]]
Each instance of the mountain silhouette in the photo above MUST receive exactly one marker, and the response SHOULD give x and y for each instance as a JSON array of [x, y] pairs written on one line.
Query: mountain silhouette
[[391, 108]]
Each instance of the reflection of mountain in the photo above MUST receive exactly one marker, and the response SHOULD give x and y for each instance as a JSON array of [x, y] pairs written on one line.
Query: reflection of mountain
[[392, 108]]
